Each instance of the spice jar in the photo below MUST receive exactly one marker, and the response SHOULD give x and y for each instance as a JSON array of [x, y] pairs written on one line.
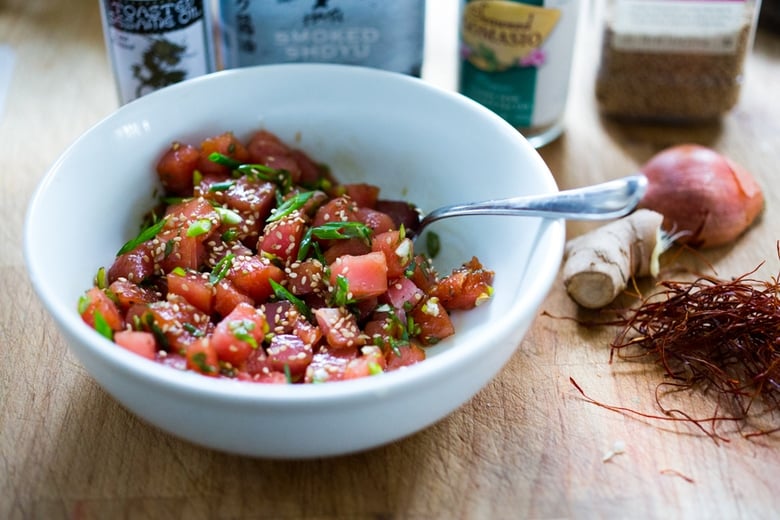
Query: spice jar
[[384, 35], [674, 61], [516, 58], [155, 43]]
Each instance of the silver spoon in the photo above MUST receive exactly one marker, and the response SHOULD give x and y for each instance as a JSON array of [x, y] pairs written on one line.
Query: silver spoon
[[603, 201]]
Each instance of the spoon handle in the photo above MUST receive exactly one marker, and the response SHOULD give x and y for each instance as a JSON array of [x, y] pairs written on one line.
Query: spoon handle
[[608, 200]]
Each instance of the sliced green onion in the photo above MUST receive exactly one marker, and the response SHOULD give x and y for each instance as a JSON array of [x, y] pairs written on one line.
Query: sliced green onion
[[168, 248], [192, 329], [199, 227], [221, 268], [101, 279], [290, 205], [341, 292], [145, 235], [224, 160], [83, 304], [334, 231], [281, 178], [283, 294], [221, 186], [241, 330], [159, 335], [432, 244], [199, 359], [102, 326], [229, 235], [228, 216]]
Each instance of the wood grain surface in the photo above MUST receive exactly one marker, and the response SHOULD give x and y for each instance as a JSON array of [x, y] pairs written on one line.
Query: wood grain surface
[[527, 446]]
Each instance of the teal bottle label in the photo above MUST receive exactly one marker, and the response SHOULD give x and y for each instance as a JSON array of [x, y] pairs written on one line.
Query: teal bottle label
[[516, 57], [371, 33]]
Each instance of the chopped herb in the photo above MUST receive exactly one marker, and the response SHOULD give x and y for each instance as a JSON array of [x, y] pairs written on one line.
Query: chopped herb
[[432, 244], [221, 186], [290, 205], [334, 231], [170, 201], [341, 292], [412, 328], [221, 268], [101, 280], [287, 374], [228, 216], [322, 183], [242, 329], [230, 235], [102, 326], [168, 248], [261, 171], [83, 303], [199, 359], [159, 335], [192, 329], [283, 294], [179, 271], [199, 227], [281, 178], [224, 160], [393, 343], [197, 177], [374, 368], [145, 235]]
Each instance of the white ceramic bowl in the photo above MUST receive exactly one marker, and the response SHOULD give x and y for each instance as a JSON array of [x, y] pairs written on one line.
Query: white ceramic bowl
[[415, 141]]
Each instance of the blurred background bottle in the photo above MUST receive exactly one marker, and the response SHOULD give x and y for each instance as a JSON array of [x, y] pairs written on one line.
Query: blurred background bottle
[[769, 16], [674, 61], [372, 33], [155, 43], [516, 59]]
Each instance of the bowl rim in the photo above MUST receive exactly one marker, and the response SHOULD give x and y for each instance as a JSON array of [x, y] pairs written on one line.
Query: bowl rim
[[551, 233]]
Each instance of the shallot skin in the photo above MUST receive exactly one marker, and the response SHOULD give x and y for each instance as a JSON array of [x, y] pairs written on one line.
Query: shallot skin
[[698, 190]]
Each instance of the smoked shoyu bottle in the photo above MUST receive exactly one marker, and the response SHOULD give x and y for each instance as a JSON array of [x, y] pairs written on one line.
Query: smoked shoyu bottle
[[516, 59], [381, 34], [155, 43]]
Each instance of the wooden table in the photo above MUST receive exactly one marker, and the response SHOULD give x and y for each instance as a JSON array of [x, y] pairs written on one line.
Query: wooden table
[[527, 446]]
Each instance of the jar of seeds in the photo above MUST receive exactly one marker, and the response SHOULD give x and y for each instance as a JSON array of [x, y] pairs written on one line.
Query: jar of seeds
[[674, 60]]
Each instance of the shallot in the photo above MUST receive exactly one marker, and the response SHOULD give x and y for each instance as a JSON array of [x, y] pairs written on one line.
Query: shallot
[[701, 191]]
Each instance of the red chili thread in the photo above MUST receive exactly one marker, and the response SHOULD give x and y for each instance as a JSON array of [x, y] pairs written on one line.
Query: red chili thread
[[720, 337]]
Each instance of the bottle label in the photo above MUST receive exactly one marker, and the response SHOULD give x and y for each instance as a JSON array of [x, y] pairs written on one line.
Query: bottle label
[[386, 35], [702, 27], [501, 35], [156, 43], [510, 50]]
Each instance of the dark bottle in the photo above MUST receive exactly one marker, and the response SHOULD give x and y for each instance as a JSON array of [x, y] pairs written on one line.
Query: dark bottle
[[155, 43]]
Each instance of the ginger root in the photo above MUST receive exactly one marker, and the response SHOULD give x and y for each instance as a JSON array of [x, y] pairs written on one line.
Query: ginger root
[[600, 263]]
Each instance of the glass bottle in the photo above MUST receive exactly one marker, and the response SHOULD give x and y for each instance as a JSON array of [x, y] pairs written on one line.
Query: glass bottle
[[155, 43], [516, 59], [380, 34], [673, 61]]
